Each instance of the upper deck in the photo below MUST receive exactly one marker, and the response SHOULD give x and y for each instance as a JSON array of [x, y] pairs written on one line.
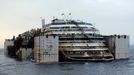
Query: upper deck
[[62, 25]]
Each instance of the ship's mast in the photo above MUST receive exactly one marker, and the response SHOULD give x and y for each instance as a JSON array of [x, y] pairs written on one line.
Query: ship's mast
[[43, 24]]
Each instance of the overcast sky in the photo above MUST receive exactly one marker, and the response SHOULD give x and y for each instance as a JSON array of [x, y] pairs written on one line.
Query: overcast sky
[[109, 16]]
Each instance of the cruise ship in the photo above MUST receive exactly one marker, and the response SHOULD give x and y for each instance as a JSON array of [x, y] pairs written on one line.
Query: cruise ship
[[78, 41], [67, 40]]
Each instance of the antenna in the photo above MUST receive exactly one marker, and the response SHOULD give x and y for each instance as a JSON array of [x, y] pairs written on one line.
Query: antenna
[[69, 13], [53, 17], [66, 17], [63, 16], [70, 16]]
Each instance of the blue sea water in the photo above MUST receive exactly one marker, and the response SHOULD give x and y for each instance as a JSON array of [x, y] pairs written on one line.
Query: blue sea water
[[119, 67]]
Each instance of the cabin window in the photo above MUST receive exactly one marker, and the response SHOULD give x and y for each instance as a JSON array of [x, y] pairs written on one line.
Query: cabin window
[[118, 36], [125, 36]]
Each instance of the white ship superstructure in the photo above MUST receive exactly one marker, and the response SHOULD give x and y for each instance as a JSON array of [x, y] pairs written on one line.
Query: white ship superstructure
[[78, 40]]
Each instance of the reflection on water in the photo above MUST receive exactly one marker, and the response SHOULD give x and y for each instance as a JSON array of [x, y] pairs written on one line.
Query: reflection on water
[[121, 67]]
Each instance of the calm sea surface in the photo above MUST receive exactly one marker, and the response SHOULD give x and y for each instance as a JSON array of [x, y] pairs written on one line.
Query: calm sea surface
[[121, 67]]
